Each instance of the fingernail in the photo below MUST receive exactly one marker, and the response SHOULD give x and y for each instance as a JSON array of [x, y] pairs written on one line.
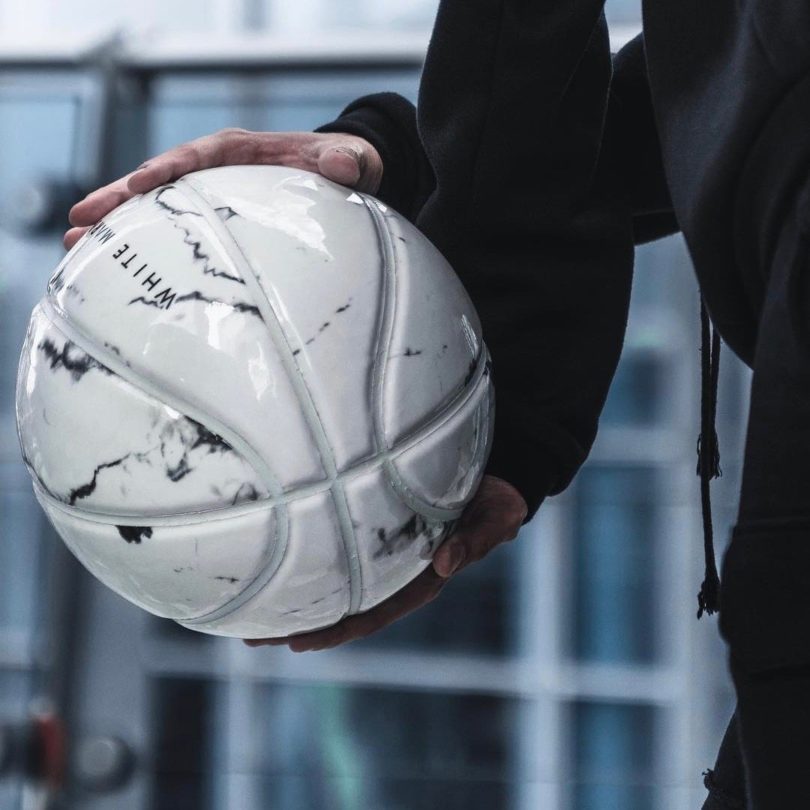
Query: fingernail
[[350, 150], [356, 171], [457, 556]]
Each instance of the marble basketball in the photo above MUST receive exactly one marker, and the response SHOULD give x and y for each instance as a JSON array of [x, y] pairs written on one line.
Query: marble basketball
[[254, 401]]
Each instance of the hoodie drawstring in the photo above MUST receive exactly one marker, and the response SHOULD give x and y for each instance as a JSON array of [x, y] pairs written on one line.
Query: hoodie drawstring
[[708, 453]]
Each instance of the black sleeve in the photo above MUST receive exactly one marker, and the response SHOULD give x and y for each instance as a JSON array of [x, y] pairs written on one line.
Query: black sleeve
[[548, 170], [632, 130], [528, 211], [388, 122]]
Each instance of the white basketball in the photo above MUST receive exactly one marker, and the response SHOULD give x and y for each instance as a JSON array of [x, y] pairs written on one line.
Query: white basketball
[[254, 401]]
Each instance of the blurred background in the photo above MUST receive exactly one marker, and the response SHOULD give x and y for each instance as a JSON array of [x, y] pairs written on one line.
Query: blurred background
[[565, 672]]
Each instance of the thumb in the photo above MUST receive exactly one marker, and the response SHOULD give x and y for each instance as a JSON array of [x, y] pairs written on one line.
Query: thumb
[[354, 163]]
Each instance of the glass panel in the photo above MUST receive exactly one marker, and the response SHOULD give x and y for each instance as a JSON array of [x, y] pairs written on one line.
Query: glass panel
[[37, 138], [188, 107], [474, 613], [11, 793], [332, 748], [635, 393], [15, 695], [308, 16], [15, 692], [663, 280], [614, 516], [623, 12], [37, 121], [613, 756], [37, 133], [183, 733], [296, 17], [21, 528]]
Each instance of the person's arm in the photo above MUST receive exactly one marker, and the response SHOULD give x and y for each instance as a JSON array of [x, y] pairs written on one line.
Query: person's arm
[[528, 211], [549, 169], [632, 136], [388, 122]]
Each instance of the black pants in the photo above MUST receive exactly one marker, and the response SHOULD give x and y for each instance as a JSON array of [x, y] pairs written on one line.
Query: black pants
[[765, 595]]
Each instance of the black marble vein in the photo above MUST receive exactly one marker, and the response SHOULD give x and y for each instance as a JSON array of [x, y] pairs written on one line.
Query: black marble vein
[[75, 292], [239, 306], [161, 203], [89, 488], [71, 358], [202, 438], [471, 371], [325, 325], [141, 300], [196, 244], [134, 534], [400, 538], [246, 492]]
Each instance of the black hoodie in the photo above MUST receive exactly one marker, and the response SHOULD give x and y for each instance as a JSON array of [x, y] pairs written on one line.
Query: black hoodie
[[504, 169], [534, 163]]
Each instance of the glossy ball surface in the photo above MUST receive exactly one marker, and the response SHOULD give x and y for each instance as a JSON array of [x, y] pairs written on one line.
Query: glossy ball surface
[[254, 401]]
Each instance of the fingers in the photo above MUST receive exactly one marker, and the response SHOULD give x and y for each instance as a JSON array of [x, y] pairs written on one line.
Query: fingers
[[493, 516], [230, 147], [341, 164], [346, 159], [414, 595], [99, 203], [352, 162], [72, 236]]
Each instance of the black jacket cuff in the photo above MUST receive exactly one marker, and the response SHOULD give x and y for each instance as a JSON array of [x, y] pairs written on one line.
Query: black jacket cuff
[[388, 122]]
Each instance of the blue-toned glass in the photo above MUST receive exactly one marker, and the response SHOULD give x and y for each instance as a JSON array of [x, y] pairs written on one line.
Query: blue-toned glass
[[613, 563], [37, 133], [635, 397], [623, 12], [21, 529], [184, 108], [612, 758], [332, 748]]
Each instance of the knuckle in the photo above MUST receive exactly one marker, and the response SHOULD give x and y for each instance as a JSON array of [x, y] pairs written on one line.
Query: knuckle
[[185, 150], [232, 133], [513, 527]]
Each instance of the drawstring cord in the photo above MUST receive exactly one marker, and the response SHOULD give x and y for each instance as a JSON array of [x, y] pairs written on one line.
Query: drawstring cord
[[708, 453]]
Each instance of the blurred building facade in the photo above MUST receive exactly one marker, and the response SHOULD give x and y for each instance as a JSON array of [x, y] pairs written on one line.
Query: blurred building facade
[[565, 672]]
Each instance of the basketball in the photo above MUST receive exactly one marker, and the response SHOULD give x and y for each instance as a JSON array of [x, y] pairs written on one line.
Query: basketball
[[254, 401]]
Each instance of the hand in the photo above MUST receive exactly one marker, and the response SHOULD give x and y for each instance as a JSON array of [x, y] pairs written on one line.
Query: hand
[[346, 159], [493, 516]]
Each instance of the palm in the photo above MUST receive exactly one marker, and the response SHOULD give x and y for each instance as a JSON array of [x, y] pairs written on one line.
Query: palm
[[493, 516]]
